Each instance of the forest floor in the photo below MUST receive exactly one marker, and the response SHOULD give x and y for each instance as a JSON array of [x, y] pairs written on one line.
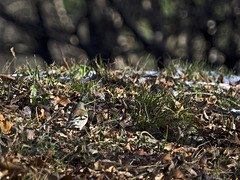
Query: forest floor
[[171, 124]]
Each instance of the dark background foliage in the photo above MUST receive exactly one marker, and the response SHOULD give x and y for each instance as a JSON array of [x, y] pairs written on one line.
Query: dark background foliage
[[143, 32]]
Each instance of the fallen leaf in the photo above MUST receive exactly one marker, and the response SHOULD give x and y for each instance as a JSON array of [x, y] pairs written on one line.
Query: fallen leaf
[[128, 147], [27, 112], [37, 161], [141, 152], [117, 136], [235, 140], [3, 173], [235, 84], [177, 174], [220, 79], [49, 152], [30, 134], [96, 165], [167, 157], [6, 127], [1, 117], [63, 100], [130, 135], [42, 115], [109, 168], [5, 164], [203, 162]]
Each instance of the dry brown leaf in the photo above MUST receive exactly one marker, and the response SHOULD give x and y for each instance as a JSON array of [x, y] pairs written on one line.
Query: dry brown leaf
[[123, 124], [170, 83], [236, 150], [105, 115], [167, 157], [203, 162], [191, 170], [177, 174], [5, 164], [6, 127], [208, 169], [98, 117], [220, 79], [106, 133], [159, 176], [177, 149], [179, 105], [117, 136], [119, 91], [27, 112], [130, 135], [209, 87], [3, 173], [1, 117], [235, 84], [37, 161], [30, 134], [235, 139], [96, 165], [49, 152], [63, 100], [109, 168], [141, 152], [128, 146], [42, 115], [169, 146]]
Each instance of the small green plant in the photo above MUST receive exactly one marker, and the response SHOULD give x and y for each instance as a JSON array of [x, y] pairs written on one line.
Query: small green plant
[[33, 93], [165, 141]]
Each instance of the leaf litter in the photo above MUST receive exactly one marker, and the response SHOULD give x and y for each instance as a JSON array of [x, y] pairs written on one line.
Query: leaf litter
[[141, 126]]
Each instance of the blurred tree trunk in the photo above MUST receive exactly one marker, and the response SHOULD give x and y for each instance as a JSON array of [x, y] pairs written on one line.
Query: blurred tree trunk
[[56, 29]]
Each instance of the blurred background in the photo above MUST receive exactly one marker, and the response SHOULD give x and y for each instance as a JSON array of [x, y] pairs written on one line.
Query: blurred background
[[139, 33]]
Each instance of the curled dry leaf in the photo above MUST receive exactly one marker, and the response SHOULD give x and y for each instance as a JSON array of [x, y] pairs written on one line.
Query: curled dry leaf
[[42, 115], [1, 117], [128, 147], [109, 168], [6, 127], [63, 100]]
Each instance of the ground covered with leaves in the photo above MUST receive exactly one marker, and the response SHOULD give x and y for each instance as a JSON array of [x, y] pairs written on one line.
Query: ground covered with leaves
[[141, 125]]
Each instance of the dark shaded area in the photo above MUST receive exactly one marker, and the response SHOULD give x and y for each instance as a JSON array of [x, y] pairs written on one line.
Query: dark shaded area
[[123, 31]]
